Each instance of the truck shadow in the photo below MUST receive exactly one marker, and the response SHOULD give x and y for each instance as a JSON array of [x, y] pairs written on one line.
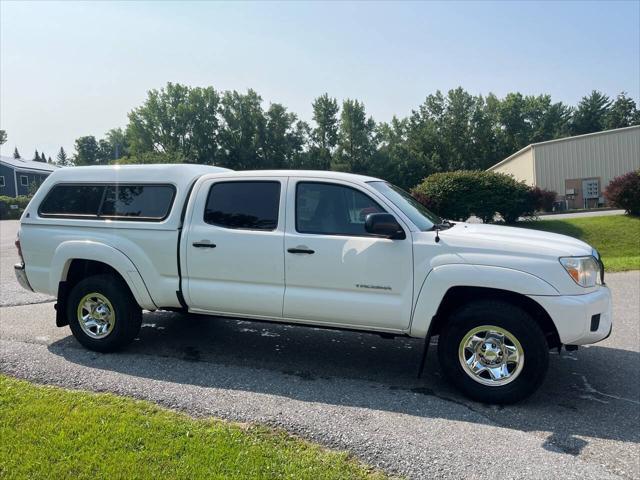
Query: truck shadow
[[594, 392]]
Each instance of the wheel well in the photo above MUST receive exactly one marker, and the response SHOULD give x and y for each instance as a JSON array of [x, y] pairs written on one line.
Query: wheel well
[[81, 268], [458, 296], [78, 269]]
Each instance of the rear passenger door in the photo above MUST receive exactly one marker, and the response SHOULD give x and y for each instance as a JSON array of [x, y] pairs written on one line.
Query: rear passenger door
[[234, 247]]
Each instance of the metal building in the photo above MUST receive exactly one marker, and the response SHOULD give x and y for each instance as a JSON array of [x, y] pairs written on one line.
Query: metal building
[[577, 168]]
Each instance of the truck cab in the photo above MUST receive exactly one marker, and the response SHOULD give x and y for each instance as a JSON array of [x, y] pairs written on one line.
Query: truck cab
[[317, 248]]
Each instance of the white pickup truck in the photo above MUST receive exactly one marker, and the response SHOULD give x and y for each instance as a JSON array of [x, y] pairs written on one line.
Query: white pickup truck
[[309, 247]]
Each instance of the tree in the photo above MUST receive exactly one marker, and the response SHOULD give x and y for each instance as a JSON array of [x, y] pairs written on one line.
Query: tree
[[355, 138], [3, 137], [242, 131], [86, 151], [61, 159], [16, 154], [176, 118], [43, 158], [36, 156], [591, 114], [325, 133], [118, 146], [623, 113], [284, 138]]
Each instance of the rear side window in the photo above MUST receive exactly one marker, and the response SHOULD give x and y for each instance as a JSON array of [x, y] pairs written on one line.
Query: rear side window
[[150, 202], [252, 205], [72, 200], [109, 201]]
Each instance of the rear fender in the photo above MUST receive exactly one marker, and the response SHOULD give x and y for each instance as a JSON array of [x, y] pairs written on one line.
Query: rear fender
[[99, 252]]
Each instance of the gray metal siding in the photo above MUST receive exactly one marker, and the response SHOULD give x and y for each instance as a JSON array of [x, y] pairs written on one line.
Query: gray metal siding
[[604, 156], [9, 188]]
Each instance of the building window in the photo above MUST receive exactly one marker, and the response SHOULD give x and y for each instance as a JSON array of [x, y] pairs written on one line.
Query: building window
[[1, 180], [24, 180]]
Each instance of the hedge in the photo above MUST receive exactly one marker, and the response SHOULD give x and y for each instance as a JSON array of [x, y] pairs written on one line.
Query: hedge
[[459, 195], [624, 192], [8, 213]]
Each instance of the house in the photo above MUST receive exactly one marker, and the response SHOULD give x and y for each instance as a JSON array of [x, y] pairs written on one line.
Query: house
[[17, 175], [577, 168]]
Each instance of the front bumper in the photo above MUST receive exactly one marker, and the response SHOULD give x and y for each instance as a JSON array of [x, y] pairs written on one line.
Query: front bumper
[[573, 315], [21, 276]]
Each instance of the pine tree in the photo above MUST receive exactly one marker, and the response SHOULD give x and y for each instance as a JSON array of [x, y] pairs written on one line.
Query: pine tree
[[16, 154], [61, 158], [49, 159], [36, 157]]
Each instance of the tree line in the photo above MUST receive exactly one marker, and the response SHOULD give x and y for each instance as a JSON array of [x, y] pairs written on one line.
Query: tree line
[[451, 131]]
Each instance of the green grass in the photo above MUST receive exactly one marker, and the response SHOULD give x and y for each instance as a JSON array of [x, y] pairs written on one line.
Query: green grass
[[48, 432], [617, 237]]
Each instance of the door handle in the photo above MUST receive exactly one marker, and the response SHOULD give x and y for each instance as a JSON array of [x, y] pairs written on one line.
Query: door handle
[[204, 245], [301, 250]]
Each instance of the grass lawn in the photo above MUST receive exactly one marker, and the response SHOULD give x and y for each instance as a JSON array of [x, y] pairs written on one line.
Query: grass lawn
[[617, 237], [48, 432]]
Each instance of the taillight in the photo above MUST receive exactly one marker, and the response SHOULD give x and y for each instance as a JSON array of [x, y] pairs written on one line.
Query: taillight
[[17, 243]]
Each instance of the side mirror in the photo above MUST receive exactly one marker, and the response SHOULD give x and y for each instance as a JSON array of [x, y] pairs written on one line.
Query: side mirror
[[385, 225]]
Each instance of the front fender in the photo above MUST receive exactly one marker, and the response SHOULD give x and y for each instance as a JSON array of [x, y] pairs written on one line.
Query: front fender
[[440, 279], [99, 252]]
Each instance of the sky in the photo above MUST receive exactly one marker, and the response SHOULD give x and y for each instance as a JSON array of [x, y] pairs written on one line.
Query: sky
[[77, 68]]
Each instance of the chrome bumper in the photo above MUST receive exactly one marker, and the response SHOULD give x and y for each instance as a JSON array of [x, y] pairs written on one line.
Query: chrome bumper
[[21, 276]]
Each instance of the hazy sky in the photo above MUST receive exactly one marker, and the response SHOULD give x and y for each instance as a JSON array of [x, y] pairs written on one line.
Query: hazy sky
[[70, 69]]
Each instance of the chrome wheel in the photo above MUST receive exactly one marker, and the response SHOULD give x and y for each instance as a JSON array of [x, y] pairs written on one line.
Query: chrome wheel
[[96, 315], [491, 355]]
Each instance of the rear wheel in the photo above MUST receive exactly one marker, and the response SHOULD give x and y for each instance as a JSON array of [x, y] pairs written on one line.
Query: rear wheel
[[102, 313], [494, 352]]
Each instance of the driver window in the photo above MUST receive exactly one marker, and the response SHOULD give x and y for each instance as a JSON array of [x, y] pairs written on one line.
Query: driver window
[[331, 209]]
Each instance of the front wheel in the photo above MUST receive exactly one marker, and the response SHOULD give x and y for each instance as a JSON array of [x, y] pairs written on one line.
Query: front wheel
[[494, 352], [102, 313]]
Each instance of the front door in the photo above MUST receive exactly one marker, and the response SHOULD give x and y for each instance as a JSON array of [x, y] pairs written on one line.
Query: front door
[[336, 273], [234, 247]]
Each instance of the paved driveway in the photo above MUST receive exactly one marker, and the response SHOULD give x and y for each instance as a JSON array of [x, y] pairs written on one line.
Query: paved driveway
[[359, 392]]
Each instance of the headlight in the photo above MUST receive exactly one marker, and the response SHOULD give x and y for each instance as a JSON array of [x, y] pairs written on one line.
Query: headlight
[[583, 270]]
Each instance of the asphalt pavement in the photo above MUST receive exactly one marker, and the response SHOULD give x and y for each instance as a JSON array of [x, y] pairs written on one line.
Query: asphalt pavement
[[357, 391]]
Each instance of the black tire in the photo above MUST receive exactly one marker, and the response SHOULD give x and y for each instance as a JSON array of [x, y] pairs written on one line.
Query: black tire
[[505, 316], [128, 314]]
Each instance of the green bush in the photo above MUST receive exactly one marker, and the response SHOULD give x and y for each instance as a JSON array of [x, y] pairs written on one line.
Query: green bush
[[8, 213], [624, 192], [459, 195]]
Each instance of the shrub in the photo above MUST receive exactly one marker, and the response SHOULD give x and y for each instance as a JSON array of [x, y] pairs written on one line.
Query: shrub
[[624, 192], [458, 195], [542, 199], [8, 213]]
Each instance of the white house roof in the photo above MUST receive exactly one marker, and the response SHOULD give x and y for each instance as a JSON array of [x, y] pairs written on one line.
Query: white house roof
[[22, 164]]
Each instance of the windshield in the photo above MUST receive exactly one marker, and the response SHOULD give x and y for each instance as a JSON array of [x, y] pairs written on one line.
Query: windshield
[[417, 213]]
